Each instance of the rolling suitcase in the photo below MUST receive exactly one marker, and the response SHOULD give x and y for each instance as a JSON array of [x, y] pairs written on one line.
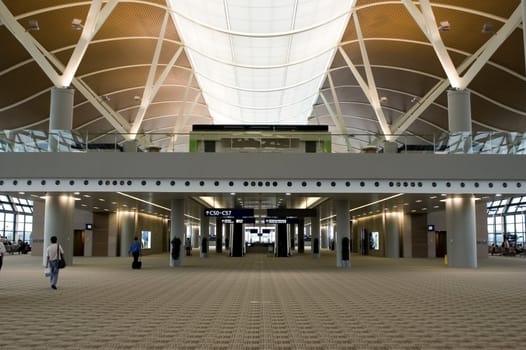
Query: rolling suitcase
[[136, 265]]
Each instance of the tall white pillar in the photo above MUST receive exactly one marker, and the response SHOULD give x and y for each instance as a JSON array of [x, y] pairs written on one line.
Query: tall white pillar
[[392, 234], [58, 221], [127, 221], [205, 236], [342, 234], [60, 114], [315, 235], [461, 231], [58, 218], [177, 231], [459, 119]]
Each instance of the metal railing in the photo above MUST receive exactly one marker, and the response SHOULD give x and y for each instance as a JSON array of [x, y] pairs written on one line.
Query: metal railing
[[505, 143]]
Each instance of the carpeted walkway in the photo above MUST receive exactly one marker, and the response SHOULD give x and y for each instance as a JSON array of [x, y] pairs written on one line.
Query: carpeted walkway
[[262, 302]]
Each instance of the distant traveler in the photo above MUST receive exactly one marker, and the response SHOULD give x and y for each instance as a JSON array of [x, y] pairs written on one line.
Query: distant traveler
[[54, 250], [2, 252], [135, 250]]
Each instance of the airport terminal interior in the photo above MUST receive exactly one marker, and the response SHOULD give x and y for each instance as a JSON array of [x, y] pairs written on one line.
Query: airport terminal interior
[[300, 174]]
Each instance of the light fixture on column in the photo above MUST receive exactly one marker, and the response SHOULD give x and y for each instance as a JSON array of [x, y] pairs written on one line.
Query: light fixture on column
[[488, 28], [77, 24], [444, 26], [32, 25]]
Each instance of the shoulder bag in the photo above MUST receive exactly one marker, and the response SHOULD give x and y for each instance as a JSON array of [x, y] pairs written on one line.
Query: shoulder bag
[[61, 261]]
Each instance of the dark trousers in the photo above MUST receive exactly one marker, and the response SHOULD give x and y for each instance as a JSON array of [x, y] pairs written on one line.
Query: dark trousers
[[135, 256], [1, 261]]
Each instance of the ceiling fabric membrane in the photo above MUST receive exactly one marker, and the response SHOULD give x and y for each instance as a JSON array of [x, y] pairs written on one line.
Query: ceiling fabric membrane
[[260, 62]]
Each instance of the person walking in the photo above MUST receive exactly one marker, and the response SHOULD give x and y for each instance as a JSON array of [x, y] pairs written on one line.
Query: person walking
[[2, 252], [54, 251], [135, 250]]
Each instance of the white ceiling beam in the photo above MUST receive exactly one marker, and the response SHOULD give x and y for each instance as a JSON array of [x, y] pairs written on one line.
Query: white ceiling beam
[[147, 95], [425, 19], [94, 21], [28, 42]]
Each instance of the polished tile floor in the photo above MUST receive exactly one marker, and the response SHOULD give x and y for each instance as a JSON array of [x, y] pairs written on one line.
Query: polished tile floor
[[262, 302]]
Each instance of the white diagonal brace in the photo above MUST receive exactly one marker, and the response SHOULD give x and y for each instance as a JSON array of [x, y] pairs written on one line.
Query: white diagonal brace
[[372, 92], [338, 115], [114, 118], [336, 121], [485, 51], [94, 21], [181, 122], [27, 41], [147, 96], [427, 23], [492, 45]]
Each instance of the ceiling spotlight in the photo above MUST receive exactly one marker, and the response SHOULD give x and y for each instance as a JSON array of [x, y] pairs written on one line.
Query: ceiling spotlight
[[136, 97], [444, 26], [383, 99], [77, 24], [105, 98], [487, 28], [32, 25]]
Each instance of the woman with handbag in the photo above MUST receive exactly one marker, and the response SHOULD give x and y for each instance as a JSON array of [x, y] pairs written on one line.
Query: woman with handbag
[[54, 255]]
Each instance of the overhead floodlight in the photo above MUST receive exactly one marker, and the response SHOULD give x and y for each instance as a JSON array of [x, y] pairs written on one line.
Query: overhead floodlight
[[444, 26], [77, 24], [32, 25], [488, 28]]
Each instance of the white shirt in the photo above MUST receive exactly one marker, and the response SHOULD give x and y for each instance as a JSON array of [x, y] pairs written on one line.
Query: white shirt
[[52, 251], [2, 248]]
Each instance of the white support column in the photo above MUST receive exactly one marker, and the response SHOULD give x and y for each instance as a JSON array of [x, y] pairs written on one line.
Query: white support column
[[459, 119], [127, 225], [58, 221], [177, 232], [60, 115], [461, 231], [392, 234], [342, 236]]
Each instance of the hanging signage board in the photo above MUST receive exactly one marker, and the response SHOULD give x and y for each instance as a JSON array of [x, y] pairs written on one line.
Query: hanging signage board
[[229, 213]]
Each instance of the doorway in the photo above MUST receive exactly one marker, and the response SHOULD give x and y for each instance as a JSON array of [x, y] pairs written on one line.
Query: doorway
[[440, 244], [79, 237]]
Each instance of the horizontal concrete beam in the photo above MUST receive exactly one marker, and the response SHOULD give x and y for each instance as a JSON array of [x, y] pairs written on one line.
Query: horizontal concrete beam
[[262, 172]]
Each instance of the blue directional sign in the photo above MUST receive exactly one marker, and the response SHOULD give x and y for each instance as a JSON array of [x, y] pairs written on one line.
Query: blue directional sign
[[229, 213]]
